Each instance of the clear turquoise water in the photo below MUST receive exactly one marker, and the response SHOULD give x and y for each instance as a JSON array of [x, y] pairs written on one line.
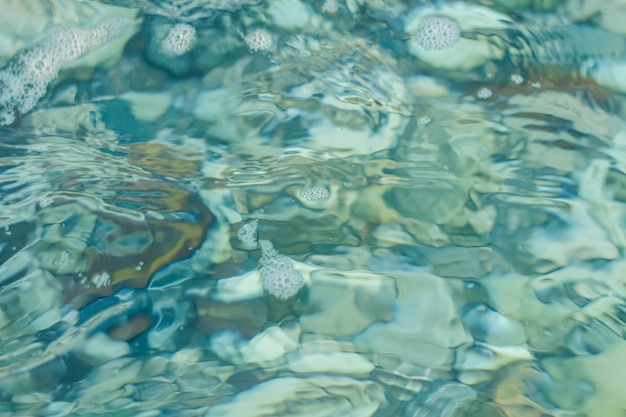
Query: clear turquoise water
[[295, 208]]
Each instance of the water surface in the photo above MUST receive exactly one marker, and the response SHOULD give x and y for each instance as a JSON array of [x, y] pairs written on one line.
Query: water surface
[[295, 208]]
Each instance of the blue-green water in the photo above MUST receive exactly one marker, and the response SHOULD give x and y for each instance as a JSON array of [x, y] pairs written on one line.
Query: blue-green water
[[358, 208]]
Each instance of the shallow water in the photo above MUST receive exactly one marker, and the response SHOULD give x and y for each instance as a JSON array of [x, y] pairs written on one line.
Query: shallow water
[[298, 208]]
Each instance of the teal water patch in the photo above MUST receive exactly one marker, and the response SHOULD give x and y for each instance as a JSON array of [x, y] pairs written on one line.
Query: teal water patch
[[297, 208]]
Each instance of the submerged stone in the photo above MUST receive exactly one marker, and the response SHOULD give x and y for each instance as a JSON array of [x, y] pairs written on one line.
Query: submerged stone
[[428, 341], [445, 400], [325, 396]]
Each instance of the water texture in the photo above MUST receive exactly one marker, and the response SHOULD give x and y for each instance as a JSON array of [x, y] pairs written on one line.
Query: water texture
[[357, 208]]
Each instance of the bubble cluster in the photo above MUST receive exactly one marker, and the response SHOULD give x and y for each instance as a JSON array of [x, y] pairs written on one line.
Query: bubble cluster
[[65, 259], [278, 275], [101, 280], [517, 79], [424, 120], [45, 202], [259, 40], [330, 6], [179, 38], [436, 33], [313, 193], [27, 77], [247, 234], [484, 93]]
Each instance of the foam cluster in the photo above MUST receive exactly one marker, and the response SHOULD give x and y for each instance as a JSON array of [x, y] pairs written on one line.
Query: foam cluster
[[436, 33], [247, 234], [25, 80], [313, 193], [484, 93], [179, 38], [259, 40], [278, 275], [330, 6]]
